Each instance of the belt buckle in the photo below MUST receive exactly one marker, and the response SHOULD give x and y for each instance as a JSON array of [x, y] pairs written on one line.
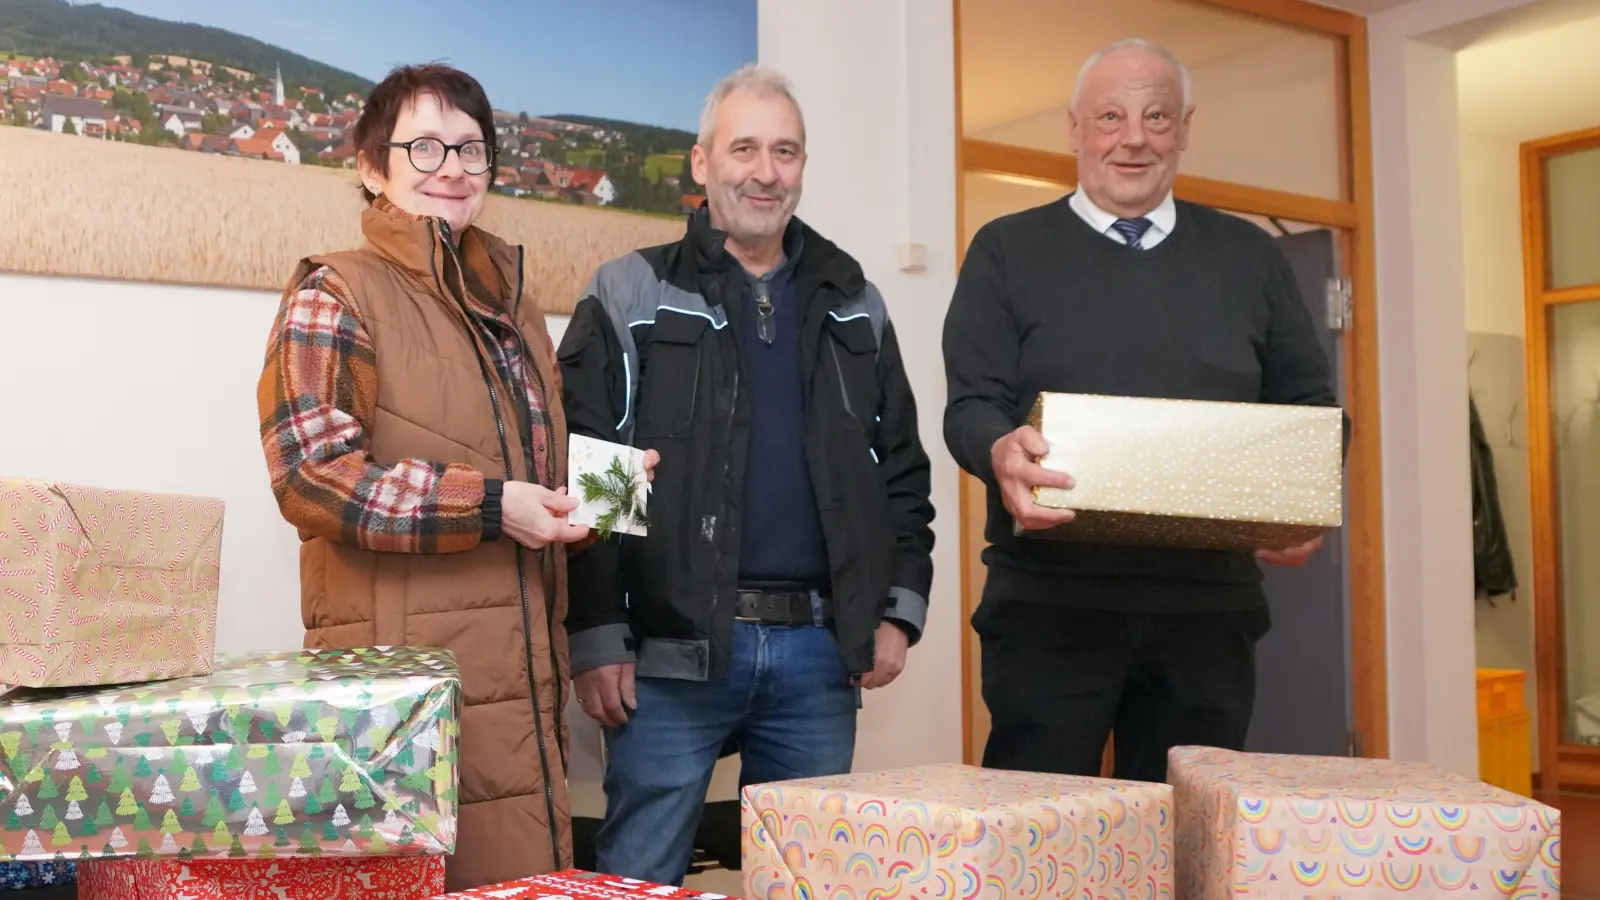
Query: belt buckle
[[739, 594]]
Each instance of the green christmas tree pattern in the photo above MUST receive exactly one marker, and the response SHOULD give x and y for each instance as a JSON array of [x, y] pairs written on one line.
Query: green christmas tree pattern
[[164, 750]]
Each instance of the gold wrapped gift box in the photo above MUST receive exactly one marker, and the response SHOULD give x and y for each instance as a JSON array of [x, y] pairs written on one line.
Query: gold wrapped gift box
[[1191, 473]]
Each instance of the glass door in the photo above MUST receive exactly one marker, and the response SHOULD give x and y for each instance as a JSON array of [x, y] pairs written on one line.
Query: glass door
[[1561, 243]]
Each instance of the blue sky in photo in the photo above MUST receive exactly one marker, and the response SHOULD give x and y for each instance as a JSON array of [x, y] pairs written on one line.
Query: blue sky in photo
[[645, 61]]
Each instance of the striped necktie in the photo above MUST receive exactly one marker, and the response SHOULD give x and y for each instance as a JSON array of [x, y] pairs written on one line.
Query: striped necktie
[[1133, 230]]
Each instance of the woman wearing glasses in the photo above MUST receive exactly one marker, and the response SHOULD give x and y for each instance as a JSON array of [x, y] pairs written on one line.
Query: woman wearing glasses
[[412, 423]]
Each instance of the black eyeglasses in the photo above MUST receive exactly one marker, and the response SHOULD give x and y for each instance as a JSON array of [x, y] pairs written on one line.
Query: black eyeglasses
[[427, 154]]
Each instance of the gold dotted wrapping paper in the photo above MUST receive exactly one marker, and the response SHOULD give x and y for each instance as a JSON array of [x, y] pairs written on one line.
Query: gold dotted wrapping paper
[[1192, 473]]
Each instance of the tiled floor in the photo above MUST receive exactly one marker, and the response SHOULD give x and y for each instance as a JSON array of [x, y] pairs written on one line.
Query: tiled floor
[[717, 881], [1580, 844]]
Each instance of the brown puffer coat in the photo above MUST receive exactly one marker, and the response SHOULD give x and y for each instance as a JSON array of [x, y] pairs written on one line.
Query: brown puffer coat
[[499, 607]]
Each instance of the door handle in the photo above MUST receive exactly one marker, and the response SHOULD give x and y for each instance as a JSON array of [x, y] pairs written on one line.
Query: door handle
[[1337, 294]]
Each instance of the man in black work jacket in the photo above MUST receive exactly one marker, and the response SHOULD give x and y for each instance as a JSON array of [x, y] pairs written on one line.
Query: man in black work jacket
[[1117, 289], [787, 563]]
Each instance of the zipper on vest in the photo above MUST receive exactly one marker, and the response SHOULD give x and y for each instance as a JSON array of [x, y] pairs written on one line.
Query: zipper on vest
[[549, 466], [443, 231]]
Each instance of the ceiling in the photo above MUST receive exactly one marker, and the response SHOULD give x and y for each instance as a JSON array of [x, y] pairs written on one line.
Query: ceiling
[[1022, 56], [1531, 75], [1364, 7]]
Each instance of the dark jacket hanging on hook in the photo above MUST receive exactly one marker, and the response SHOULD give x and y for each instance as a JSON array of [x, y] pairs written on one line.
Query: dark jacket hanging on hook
[[1493, 571]]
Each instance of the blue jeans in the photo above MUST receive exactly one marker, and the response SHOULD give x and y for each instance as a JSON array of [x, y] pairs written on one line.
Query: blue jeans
[[787, 700]]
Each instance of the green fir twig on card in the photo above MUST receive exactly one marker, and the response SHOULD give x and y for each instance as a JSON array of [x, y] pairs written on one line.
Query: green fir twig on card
[[618, 489]]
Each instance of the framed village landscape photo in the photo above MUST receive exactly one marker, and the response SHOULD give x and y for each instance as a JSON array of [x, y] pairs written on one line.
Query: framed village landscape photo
[[210, 143]]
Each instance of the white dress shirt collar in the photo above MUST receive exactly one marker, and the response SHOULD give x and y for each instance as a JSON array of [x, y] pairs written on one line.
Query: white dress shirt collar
[[1162, 219]]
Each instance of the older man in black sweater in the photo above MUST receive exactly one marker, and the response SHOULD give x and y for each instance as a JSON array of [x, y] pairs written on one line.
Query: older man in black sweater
[[1117, 289]]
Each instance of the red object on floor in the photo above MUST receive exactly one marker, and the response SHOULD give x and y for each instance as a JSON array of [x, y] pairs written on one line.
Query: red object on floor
[[579, 885], [290, 878]]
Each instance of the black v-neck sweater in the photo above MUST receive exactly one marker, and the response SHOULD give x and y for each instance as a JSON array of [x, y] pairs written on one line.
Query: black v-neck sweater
[[1045, 303]]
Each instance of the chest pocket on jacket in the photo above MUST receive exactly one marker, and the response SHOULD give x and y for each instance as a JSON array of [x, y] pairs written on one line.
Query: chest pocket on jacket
[[669, 373], [851, 357]]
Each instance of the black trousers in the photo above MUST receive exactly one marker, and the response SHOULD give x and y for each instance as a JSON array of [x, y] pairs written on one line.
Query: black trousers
[[1058, 680]]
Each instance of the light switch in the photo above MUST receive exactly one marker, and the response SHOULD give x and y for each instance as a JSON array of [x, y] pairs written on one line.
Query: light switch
[[913, 257]]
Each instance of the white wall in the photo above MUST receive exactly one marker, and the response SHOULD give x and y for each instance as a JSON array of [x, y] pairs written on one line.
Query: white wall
[[1491, 244], [1491, 233], [152, 387], [877, 84], [1422, 341]]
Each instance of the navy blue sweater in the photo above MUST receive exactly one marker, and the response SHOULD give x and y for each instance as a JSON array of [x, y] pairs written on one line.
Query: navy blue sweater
[[782, 541]]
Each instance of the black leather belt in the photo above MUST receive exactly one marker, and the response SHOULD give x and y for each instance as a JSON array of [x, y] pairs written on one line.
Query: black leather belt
[[783, 607]]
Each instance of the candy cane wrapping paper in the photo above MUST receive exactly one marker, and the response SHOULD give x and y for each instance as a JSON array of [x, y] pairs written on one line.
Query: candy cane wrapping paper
[[957, 831], [286, 754], [574, 884], [105, 586], [372, 878], [1278, 827]]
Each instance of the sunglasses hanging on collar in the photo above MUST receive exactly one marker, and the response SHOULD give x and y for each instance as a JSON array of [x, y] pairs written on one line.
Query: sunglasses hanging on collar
[[766, 326]]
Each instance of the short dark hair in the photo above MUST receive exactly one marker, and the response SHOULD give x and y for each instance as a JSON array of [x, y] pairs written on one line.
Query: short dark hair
[[453, 88]]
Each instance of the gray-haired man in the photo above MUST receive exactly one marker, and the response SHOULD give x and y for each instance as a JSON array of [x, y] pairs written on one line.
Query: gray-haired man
[[787, 564], [1120, 289]]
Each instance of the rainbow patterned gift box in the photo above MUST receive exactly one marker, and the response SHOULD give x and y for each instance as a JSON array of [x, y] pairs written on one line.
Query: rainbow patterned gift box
[[957, 832], [1270, 827]]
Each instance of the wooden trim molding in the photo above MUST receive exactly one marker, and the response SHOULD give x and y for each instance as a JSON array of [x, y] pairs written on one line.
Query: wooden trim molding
[[1369, 644], [1062, 169], [1580, 767], [1580, 294], [1562, 144], [1310, 16], [1546, 589], [971, 564]]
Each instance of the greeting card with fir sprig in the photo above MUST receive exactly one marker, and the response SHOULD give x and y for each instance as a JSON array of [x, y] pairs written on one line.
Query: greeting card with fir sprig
[[609, 482]]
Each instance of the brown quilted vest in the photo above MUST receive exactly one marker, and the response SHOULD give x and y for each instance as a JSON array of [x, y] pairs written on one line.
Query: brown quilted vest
[[434, 404]]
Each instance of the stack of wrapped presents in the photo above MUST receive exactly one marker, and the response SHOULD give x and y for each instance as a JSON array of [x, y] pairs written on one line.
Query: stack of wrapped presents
[[157, 769], [1233, 825]]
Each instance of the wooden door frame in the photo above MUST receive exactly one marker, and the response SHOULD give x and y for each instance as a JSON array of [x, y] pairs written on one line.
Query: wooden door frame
[[1560, 764], [1353, 215]]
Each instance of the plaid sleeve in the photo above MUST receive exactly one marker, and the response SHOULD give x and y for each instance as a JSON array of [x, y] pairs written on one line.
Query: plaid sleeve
[[317, 397]]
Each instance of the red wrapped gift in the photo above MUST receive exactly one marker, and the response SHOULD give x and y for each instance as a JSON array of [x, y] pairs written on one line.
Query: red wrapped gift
[[290, 878], [578, 885]]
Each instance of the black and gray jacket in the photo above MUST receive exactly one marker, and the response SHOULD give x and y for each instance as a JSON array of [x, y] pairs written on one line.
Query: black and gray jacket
[[649, 360]]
